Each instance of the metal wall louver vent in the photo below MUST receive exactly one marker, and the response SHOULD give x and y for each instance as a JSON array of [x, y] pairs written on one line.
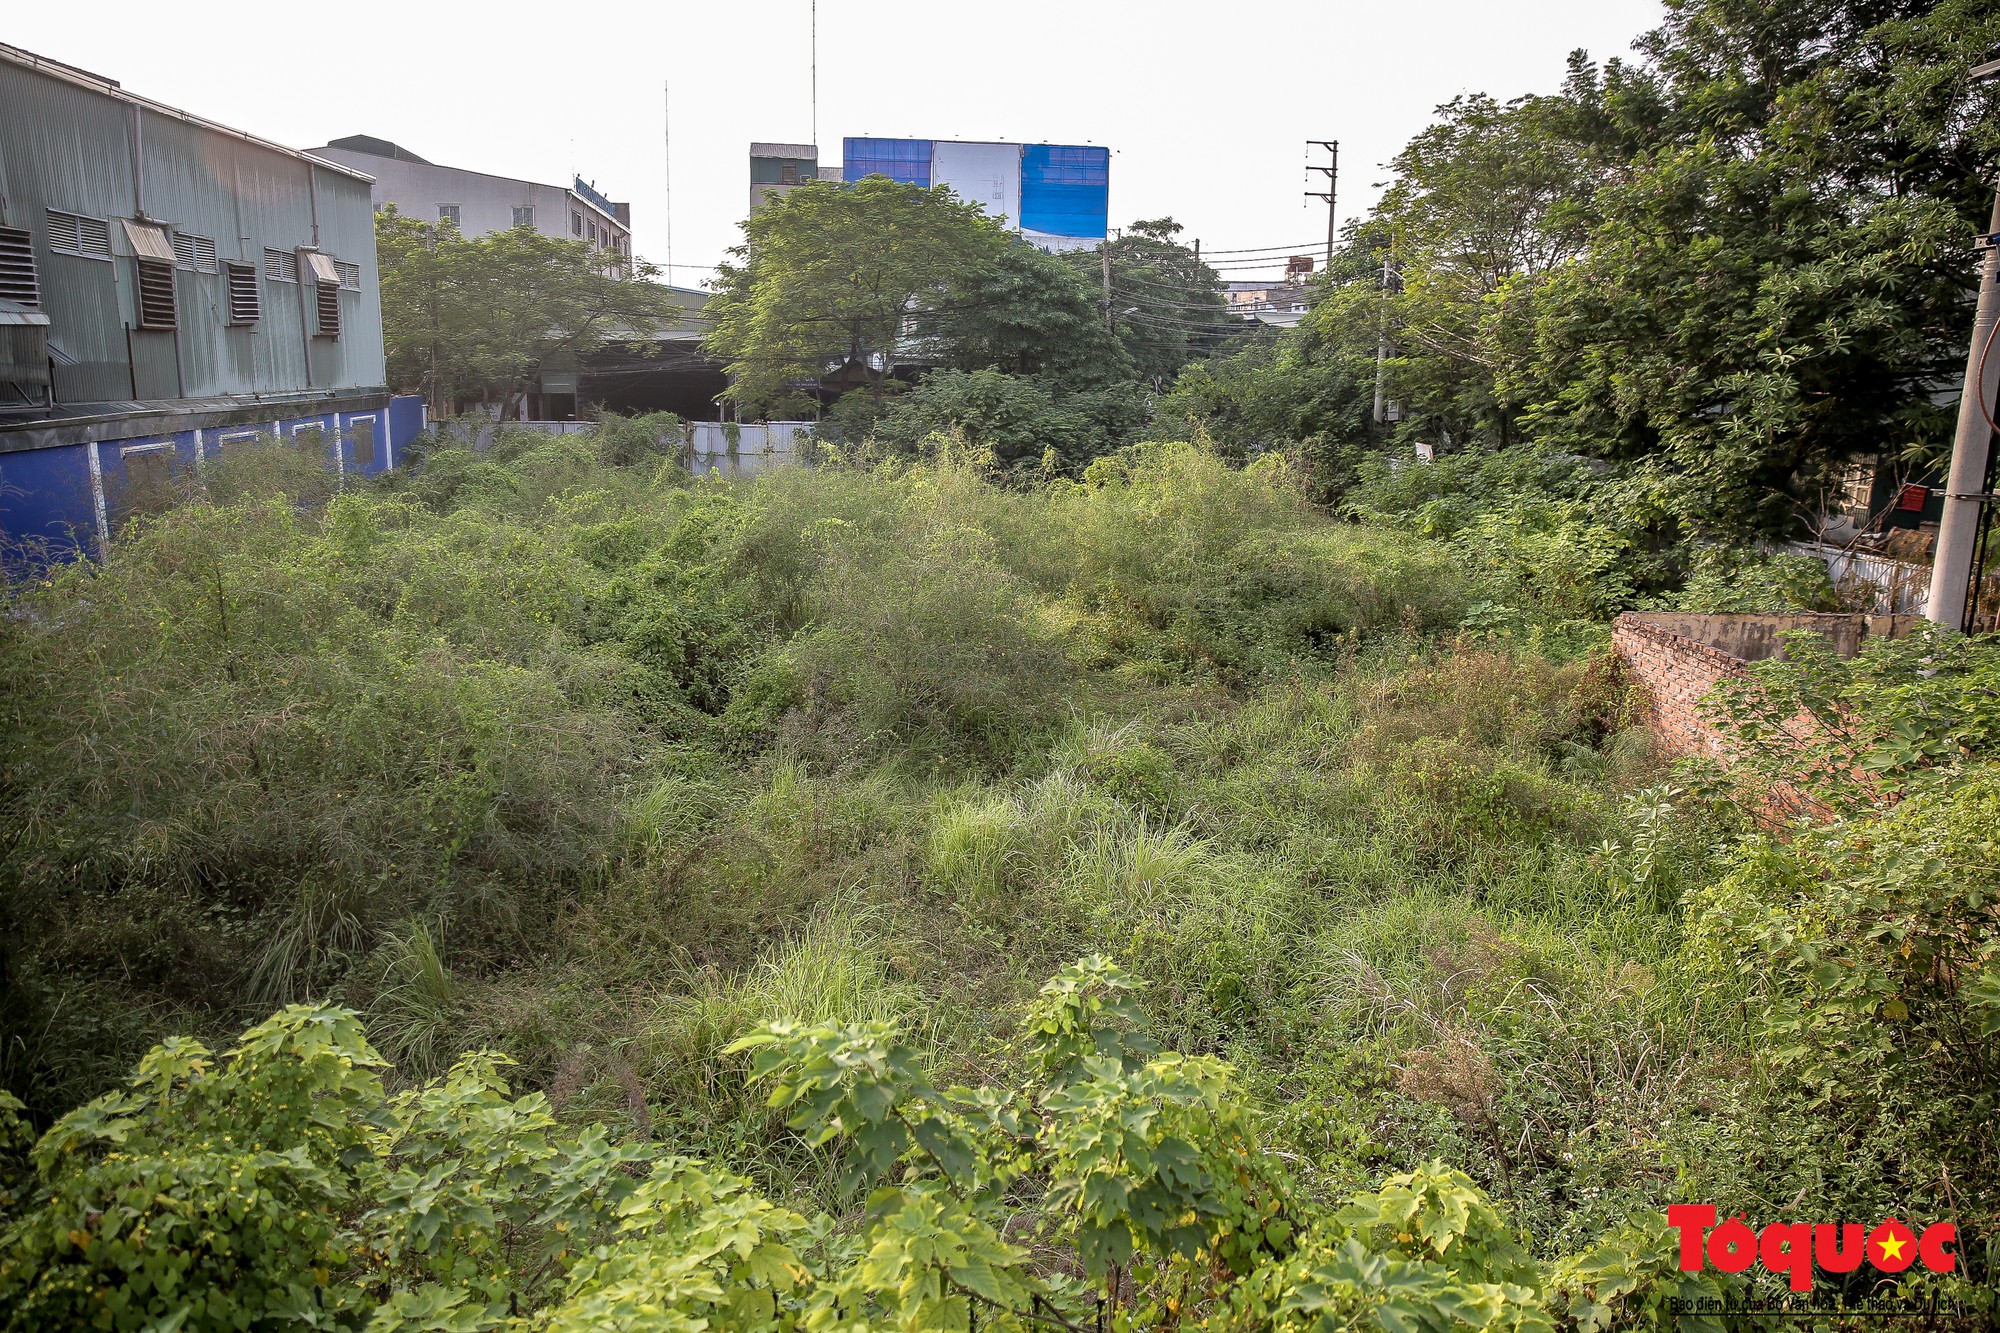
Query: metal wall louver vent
[[95, 236], [75, 234], [156, 294], [195, 252], [350, 275], [246, 304], [18, 280], [327, 298], [281, 266]]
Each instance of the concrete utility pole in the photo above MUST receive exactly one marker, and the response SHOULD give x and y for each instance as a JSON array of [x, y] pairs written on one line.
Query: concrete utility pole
[[1105, 251], [1382, 350], [1964, 497], [1332, 173]]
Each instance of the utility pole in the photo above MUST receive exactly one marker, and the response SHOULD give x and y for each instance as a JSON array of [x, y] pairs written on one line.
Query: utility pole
[[1964, 498], [1382, 349], [1105, 250], [1332, 173]]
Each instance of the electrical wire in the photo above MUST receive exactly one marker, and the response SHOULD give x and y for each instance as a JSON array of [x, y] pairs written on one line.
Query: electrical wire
[[1270, 249]]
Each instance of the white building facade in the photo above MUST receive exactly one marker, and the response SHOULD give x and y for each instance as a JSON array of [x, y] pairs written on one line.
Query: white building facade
[[478, 203]]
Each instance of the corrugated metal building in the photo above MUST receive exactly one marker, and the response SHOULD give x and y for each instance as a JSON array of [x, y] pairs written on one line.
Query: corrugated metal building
[[169, 286]]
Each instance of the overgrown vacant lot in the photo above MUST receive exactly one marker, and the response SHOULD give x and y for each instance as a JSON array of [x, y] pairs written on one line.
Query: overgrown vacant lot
[[555, 752]]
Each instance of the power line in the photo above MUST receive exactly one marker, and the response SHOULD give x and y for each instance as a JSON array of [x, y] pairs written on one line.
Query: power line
[[1265, 249]]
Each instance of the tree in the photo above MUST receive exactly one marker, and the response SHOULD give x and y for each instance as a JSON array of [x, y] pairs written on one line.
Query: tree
[[1166, 304], [1776, 282], [831, 275], [1730, 270], [1025, 312], [1484, 200], [480, 317]]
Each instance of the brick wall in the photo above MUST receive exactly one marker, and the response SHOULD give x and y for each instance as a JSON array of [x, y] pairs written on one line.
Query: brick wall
[[1674, 670], [1673, 673]]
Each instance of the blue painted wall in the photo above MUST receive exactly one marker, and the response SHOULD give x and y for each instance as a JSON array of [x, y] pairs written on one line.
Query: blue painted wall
[[48, 508], [54, 505]]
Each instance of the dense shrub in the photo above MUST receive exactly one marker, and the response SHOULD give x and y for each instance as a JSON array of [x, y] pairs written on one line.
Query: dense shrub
[[278, 1183]]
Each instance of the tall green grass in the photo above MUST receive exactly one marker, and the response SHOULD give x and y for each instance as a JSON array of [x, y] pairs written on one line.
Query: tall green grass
[[557, 750]]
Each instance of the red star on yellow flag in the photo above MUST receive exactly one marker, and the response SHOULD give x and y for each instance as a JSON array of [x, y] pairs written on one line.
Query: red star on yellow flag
[[1892, 1247]]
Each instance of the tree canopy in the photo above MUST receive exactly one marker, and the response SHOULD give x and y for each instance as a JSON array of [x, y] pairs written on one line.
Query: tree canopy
[[1166, 304], [834, 278], [923, 316], [479, 317], [1728, 269]]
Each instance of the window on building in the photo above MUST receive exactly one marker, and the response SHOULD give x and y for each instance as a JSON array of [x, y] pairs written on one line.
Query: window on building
[[363, 435], [148, 481], [524, 215], [576, 222], [350, 275], [448, 213], [593, 233], [194, 252], [788, 173], [156, 294], [18, 279], [246, 304], [281, 266], [75, 234]]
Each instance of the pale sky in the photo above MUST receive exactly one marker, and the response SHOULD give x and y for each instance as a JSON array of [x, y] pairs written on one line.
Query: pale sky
[[1206, 107]]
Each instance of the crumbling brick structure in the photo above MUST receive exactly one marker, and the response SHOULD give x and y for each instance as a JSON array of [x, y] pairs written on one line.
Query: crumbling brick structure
[[1676, 658]]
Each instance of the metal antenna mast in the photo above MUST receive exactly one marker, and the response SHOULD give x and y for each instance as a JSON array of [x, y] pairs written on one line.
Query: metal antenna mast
[[667, 123], [815, 80], [1332, 173]]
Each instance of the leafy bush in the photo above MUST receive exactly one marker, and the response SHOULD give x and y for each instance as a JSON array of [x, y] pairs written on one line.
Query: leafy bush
[[1019, 418], [1724, 580], [1856, 734], [1870, 956], [280, 1183]]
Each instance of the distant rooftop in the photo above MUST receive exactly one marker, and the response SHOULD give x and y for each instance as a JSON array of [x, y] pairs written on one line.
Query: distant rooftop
[[788, 150], [374, 147]]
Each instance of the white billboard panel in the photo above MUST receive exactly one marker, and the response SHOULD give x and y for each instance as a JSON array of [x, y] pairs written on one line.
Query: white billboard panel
[[987, 174], [1042, 240]]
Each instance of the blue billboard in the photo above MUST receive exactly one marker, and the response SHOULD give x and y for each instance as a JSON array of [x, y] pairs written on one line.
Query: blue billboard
[[1065, 190], [1057, 194], [907, 160]]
